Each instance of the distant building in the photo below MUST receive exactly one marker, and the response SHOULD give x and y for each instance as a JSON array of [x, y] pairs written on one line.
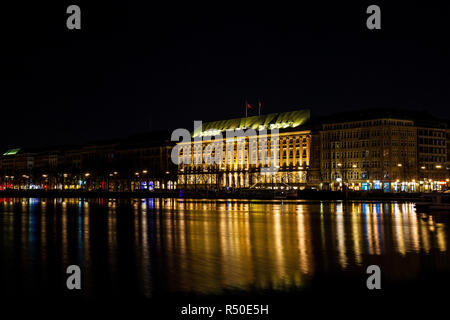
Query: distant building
[[377, 154], [139, 162], [382, 149], [432, 155]]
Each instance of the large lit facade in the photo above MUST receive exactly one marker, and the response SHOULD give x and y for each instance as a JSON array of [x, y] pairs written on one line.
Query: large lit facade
[[293, 170]]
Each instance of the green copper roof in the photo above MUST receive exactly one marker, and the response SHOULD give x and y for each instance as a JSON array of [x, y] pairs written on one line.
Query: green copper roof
[[11, 152], [282, 120]]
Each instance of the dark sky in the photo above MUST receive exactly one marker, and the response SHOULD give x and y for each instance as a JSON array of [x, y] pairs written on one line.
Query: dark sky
[[135, 67]]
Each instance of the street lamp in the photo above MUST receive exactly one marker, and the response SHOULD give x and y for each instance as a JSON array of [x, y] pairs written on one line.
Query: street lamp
[[65, 175], [87, 174], [146, 179], [167, 180]]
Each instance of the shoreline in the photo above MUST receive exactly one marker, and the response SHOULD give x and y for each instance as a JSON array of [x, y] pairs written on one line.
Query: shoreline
[[180, 194]]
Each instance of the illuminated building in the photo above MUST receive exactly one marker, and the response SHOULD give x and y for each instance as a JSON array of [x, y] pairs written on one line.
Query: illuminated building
[[379, 149], [146, 158], [243, 169], [432, 155], [369, 154], [17, 166], [447, 165], [383, 150], [139, 162]]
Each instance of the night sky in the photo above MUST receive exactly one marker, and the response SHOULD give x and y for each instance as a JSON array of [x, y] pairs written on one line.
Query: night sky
[[135, 67]]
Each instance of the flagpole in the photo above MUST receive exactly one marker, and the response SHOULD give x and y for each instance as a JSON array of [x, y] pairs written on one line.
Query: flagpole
[[245, 106], [259, 106]]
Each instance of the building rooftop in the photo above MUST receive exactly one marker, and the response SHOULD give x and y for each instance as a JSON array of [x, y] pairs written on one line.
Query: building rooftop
[[420, 118], [11, 152], [146, 139], [284, 120]]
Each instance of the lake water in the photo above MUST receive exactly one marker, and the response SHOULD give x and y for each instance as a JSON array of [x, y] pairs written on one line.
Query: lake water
[[146, 247]]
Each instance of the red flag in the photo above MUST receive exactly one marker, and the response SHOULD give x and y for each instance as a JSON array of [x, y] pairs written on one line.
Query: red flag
[[249, 106]]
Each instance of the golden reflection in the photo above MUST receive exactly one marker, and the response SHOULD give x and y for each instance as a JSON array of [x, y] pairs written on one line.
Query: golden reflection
[[251, 235], [340, 235], [143, 245], [441, 237], [398, 229], [304, 242], [112, 245], [64, 235], [278, 241], [356, 234], [211, 245], [414, 228], [323, 235], [376, 231]]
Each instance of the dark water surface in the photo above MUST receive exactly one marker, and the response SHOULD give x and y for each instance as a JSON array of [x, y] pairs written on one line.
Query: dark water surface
[[148, 247]]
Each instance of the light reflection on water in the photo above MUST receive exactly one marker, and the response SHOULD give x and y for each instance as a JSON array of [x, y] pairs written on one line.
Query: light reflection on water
[[143, 247]]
